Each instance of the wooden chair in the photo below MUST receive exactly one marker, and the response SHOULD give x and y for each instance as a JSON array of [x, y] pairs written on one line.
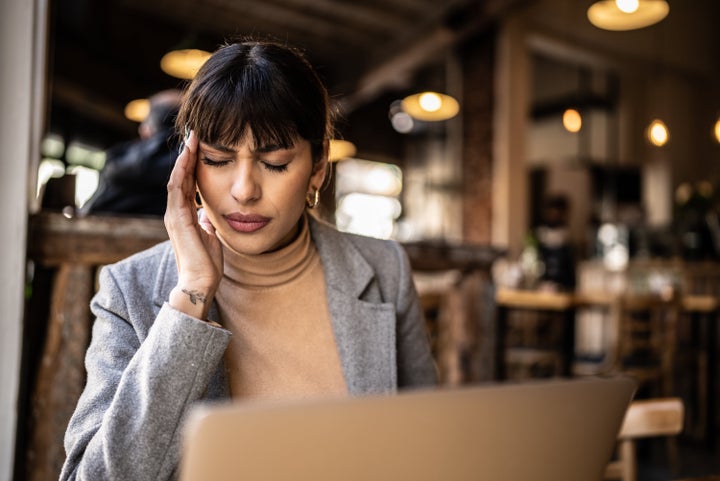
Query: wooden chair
[[644, 419], [534, 334], [645, 341], [701, 303]]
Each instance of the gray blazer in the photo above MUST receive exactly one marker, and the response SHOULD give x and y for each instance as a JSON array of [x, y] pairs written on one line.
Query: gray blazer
[[147, 363]]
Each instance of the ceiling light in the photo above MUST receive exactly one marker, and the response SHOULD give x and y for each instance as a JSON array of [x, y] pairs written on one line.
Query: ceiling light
[[340, 149], [183, 63], [627, 14], [657, 133], [572, 120], [430, 106], [136, 110]]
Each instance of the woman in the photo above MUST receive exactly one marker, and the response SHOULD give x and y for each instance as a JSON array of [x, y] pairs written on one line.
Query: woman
[[251, 298]]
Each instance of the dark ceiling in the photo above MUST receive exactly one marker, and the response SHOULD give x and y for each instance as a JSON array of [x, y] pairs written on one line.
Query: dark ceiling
[[104, 53]]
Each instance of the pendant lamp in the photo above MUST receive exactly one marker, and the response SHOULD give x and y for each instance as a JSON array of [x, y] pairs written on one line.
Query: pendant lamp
[[136, 110], [658, 133], [430, 106], [627, 14], [340, 149], [183, 63]]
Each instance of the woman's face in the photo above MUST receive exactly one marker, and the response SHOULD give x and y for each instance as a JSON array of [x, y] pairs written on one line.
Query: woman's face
[[255, 195]]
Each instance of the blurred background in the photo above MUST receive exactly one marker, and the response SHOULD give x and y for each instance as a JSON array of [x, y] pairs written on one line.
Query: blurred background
[[555, 147], [514, 66]]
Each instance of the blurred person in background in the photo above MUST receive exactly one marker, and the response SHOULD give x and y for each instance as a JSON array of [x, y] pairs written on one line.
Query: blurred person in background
[[135, 174], [554, 246]]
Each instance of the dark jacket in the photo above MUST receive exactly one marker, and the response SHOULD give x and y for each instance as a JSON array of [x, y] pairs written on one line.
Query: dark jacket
[[134, 179]]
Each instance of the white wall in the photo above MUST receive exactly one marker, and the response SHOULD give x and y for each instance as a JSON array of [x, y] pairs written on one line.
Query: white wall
[[22, 33]]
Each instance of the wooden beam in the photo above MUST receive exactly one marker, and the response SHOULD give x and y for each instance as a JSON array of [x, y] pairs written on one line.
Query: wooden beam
[[396, 70], [54, 239], [88, 103]]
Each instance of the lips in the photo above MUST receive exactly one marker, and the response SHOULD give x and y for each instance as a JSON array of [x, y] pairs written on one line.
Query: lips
[[246, 222]]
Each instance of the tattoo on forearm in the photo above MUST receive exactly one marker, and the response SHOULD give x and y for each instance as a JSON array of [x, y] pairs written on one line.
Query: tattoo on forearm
[[195, 296]]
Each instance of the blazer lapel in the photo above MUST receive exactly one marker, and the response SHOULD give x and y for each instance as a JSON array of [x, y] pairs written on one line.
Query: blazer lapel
[[363, 325]]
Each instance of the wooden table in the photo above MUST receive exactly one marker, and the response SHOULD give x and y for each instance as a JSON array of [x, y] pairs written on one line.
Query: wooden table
[[560, 302], [702, 311], [702, 478]]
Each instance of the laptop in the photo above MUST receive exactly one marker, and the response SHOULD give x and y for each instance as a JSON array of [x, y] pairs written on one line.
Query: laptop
[[560, 430]]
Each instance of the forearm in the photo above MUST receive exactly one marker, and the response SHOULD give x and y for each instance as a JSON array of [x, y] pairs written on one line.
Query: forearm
[[132, 430]]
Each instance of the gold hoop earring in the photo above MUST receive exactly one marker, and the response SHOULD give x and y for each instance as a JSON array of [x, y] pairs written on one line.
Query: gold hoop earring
[[312, 199], [198, 200]]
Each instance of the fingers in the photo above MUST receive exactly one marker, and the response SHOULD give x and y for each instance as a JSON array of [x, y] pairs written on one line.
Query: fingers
[[205, 223], [181, 185], [191, 144]]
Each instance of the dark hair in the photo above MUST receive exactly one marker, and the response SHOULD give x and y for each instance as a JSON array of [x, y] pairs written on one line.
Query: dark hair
[[264, 86]]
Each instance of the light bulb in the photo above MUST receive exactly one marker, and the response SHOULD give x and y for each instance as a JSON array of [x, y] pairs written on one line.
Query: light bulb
[[658, 133], [430, 101], [572, 120], [627, 6]]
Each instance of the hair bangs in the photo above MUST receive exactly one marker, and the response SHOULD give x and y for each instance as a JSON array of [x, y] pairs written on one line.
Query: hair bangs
[[249, 103], [263, 90]]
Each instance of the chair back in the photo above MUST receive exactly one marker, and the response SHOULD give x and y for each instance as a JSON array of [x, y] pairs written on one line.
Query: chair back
[[645, 338]]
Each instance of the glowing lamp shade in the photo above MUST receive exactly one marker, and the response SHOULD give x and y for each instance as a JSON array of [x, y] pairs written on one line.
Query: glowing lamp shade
[[341, 149], [657, 133], [627, 14], [136, 110], [572, 120], [430, 106], [716, 130], [184, 63]]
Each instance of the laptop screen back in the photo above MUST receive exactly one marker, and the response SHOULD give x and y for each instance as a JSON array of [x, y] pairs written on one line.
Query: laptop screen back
[[539, 431]]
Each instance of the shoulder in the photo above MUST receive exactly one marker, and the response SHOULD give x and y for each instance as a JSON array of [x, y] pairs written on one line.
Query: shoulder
[[141, 271], [146, 259], [383, 255]]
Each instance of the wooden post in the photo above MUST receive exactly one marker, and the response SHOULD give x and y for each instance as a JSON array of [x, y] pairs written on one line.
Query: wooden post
[[72, 250], [61, 375]]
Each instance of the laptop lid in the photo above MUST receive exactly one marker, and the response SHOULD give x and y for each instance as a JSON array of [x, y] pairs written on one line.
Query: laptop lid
[[540, 431]]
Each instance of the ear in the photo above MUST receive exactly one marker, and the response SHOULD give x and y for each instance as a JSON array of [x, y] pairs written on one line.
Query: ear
[[320, 168]]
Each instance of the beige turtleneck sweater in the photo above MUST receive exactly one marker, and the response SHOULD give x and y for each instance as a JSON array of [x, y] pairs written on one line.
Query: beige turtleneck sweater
[[276, 307]]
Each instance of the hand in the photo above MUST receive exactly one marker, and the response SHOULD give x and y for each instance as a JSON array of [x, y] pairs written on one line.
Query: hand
[[198, 252]]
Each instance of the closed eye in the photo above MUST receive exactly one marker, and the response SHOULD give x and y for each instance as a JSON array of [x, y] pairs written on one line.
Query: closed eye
[[213, 163], [275, 168]]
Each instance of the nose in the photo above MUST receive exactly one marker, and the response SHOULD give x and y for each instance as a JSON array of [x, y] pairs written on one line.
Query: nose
[[245, 187]]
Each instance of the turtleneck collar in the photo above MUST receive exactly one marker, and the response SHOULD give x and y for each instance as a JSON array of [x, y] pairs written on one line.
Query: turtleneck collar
[[271, 269]]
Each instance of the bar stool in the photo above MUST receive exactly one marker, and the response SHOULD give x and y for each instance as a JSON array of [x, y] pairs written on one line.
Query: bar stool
[[644, 419]]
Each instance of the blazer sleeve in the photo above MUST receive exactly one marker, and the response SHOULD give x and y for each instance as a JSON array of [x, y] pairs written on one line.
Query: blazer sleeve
[[416, 366], [127, 423]]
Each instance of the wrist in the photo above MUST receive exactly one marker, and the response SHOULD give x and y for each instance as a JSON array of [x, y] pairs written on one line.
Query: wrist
[[191, 301]]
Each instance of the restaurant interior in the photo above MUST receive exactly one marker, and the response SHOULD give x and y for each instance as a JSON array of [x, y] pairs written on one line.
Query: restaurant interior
[[548, 166]]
